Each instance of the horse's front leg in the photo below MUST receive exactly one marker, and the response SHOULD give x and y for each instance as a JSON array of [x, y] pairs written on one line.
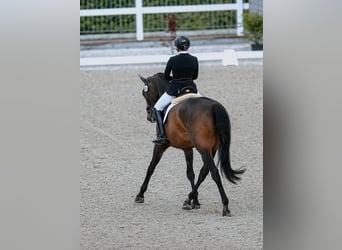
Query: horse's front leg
[[187, 205], [158, 151], [194, 193]]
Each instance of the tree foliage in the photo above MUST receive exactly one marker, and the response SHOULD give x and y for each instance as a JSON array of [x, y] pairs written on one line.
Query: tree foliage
[[253, 24]]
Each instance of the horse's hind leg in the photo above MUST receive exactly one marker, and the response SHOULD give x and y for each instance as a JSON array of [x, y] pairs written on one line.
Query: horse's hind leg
[[201, 177], [194, 194], [189, 155], [209, 161], [158, 151]]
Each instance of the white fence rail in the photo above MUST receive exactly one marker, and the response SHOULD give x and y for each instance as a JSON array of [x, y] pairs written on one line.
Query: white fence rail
[[227, 57], [139, 11]]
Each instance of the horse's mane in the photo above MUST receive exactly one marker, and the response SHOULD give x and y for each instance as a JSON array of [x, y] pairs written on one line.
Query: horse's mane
[[159, 74], [160, 81], [157, 77]]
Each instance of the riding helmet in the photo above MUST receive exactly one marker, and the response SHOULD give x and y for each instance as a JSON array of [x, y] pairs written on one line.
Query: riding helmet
[[182, 43]]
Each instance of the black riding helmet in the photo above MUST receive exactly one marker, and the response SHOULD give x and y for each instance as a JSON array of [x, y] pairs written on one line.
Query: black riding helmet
[[182, 43]]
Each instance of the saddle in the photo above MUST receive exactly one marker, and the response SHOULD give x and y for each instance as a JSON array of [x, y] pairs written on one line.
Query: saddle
[[187, 90], [182, 98]]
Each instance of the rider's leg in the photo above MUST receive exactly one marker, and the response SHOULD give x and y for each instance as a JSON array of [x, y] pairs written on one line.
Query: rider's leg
[[163, 101]]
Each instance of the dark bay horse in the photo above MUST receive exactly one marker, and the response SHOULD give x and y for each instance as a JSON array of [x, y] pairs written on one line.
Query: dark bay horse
[[200, 123]]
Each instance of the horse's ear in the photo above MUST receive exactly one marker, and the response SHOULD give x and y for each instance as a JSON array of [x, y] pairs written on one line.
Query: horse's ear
[[143, 79]]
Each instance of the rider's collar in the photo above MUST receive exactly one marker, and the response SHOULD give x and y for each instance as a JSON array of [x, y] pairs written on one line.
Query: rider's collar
[[183, 52]]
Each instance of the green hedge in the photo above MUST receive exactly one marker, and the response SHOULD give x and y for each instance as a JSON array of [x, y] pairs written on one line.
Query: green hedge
[[154, 22]]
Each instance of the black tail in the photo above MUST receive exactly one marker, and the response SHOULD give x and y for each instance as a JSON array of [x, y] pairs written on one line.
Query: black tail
[[222, 124]]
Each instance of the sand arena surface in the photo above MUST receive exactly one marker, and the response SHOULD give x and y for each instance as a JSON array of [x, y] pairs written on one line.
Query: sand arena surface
[[116, 149]]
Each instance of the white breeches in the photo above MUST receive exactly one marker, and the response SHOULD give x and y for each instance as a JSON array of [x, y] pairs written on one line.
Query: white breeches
[[163, 101]]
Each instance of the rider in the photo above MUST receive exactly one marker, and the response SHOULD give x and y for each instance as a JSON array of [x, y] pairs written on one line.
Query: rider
[[184, 69]]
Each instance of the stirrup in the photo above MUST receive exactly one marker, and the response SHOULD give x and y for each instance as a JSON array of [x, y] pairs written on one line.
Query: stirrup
[[161, 141]]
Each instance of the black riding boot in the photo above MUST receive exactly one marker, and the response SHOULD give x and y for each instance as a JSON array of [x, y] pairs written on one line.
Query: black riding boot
[[161, 139]]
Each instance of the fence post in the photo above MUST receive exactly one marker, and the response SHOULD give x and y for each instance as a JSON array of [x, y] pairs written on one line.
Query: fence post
[[239, 17], [139, 21]]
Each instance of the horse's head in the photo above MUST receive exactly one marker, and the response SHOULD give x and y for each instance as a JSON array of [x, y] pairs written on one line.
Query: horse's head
[[154, 87]]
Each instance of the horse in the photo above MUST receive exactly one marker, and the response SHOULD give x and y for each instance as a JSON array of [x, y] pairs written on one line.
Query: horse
[[201, 123]]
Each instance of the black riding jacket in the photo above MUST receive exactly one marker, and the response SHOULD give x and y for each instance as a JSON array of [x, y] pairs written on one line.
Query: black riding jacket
[[184, 68]]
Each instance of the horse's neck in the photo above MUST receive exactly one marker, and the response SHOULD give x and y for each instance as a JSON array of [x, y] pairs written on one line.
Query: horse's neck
[[161, 91], [160, 83], [162, 88]]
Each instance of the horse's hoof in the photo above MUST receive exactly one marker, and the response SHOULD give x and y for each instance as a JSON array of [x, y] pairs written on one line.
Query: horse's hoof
[[139, 199], [226, 213], [187, 205], [196, 206]]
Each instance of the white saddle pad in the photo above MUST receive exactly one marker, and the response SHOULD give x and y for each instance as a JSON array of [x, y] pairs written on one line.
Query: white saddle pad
[[179, 99]]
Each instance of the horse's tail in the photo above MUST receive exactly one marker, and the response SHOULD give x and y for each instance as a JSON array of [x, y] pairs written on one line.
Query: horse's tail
[[222, 125]]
